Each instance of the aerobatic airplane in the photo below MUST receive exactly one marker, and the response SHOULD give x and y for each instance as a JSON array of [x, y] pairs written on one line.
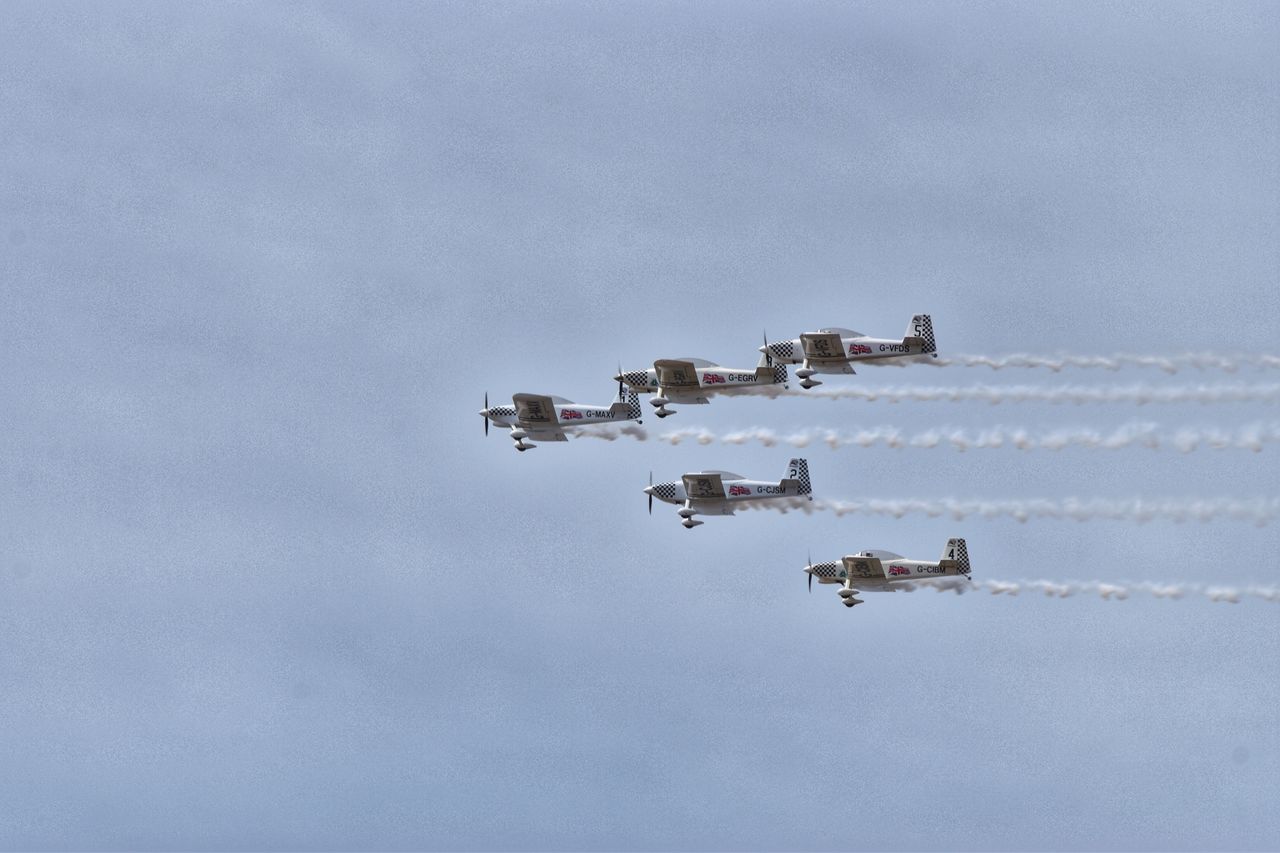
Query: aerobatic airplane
[[720, 492], [538, 417], [835, 350], [885, 571], [695, 380]]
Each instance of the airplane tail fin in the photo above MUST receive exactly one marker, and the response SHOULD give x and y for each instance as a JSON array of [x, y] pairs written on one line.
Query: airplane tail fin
[[776, 375], [921, 327], [628, 409], [798, 471], [956, 555]]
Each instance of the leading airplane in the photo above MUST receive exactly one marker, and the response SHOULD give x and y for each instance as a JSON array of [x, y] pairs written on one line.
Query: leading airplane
[[885, 571], [539, 417], [721, 492], [835, 350]]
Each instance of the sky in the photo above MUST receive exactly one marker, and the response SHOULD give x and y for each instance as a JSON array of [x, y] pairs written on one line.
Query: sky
[[265, 584]]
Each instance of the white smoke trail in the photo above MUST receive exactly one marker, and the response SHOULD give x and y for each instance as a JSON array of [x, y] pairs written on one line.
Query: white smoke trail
[[1109, 590], [1077, 394], [1145, 435], [1259, 511], [609, 432], [1167, 363]]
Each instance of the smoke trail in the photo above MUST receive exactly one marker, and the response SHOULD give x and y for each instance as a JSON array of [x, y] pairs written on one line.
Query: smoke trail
[[1145, 435], [608, 432], [1109, 590], [1078, 394], [1260, 511], [1167, 363]]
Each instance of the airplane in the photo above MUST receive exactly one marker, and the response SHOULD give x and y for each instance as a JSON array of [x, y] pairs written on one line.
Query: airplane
[[885, 571], [719, 492], [539, 417], [835, 350], [695, 380]]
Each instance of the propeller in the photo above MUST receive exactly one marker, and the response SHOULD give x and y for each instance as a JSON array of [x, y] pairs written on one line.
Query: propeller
[[650, 493], [486, 412], [619, 380], [768, 356], [810, 559]]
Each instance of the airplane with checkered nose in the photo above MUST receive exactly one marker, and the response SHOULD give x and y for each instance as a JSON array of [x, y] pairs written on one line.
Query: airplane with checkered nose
[[539, 417], [696, 380], [721, 492], [836, 350], [885, 571]]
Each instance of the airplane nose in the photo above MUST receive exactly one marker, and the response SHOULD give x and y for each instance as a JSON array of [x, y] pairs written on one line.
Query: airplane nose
[[618, 378], [648, 490], [484, 413]]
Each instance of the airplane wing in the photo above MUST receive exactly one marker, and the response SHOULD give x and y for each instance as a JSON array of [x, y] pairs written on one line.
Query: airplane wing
[[865, 568], [537, 416], [704, 487], [535, 410], [676, 373], [822, 346]]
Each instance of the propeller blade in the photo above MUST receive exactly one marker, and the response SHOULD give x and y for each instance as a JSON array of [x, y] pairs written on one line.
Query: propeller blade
[[768, 356], [486, 412], [809, 562], [651, 493], [619, 380], [811, 583]]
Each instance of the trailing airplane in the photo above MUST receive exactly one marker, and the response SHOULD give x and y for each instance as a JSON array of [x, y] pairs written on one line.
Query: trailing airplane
[[835, 350], [721, 492], [696, 380], [538, 417], [885, 571]]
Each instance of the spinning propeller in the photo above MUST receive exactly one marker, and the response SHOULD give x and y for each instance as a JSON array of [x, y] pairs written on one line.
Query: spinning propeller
[[486, 412]]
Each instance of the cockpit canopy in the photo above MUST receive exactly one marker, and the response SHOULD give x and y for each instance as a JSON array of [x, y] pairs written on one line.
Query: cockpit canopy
[[844, 333]]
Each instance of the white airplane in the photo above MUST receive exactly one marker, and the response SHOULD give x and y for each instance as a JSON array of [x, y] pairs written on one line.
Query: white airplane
[[720, 492], [539, 417], [885, 571], [695, 380], [835, 350]]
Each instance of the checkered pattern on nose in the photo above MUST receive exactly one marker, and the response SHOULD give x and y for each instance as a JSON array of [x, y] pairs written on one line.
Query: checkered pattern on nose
[[664, 490], [827, 570], [636, 378], [929, 345], [783, 349], [502, 412]]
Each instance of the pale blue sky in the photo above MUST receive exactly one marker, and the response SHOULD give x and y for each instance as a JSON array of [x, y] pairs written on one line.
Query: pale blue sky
[[264, 584]]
